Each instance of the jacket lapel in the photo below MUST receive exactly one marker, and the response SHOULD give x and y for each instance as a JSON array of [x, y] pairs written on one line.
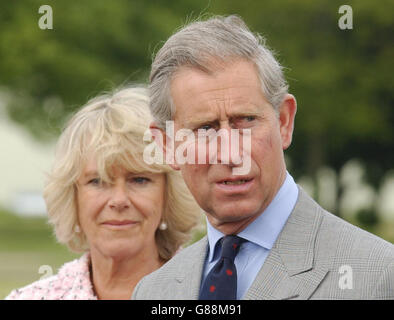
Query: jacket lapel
[[188, 278], [288, 272]]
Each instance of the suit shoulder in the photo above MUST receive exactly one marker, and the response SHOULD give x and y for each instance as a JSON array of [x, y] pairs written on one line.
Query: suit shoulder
[[187, 254], [349, 252], [153, 285], [348, 241]]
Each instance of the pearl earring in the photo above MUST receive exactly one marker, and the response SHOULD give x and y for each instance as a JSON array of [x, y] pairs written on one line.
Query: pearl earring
[[163, 226], [77, 229]]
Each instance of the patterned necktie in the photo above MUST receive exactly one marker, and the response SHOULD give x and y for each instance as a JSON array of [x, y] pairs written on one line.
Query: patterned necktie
[[221, 281]]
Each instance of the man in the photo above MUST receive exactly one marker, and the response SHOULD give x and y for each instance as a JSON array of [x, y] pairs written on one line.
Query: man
[[266, 238]]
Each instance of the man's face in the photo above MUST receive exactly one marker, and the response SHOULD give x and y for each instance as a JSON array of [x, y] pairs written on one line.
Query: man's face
[[232, 98]]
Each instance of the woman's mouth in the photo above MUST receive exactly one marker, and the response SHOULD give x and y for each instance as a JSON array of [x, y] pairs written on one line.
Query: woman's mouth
[[119, 224]]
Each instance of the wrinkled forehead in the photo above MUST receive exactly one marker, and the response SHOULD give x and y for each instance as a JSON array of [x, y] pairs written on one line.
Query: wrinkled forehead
[[234, 89]]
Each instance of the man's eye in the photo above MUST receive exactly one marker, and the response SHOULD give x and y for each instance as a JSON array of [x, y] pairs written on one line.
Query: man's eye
[[244, 121], [205, 127], [250, 118]]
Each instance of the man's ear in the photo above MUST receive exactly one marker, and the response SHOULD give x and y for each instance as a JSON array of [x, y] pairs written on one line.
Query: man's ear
[[287, 112], [165, 144]]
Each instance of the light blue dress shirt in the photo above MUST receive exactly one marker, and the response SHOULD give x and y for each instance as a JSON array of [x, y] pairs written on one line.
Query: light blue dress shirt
[[261, 235]]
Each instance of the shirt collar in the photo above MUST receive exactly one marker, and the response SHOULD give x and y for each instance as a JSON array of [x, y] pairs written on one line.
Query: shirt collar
[[266, 228]]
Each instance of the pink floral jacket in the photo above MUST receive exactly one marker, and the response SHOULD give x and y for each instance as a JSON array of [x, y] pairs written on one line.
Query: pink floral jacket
[[71, 283]]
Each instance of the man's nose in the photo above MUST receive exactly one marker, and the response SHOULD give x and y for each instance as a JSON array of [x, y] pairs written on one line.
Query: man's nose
[[229, 146], [119, 197]]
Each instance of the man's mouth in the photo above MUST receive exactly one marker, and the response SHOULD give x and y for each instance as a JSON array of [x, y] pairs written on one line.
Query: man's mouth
[[236, 182]]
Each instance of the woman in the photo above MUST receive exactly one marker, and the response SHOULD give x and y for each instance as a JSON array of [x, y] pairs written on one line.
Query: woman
[[102, 199]]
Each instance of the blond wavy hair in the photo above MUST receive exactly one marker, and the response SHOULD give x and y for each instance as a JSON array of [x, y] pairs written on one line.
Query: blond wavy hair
[[112, 127]]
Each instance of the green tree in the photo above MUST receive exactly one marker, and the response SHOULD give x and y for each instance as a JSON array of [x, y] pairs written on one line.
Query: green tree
[[94, 46]]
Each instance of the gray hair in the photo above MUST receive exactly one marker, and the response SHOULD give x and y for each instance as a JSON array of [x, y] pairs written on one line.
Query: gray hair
[[196, 44]]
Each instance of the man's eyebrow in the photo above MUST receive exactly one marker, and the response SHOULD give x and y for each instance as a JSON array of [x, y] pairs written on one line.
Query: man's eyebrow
[[245, 113], [193, 123]]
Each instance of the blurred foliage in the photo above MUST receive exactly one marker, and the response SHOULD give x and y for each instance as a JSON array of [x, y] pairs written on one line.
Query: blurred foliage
[[342, 79], [367, 218]]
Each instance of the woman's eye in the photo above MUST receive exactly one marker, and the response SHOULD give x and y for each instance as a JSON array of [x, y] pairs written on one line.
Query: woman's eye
[[95, 181], [141, 180]]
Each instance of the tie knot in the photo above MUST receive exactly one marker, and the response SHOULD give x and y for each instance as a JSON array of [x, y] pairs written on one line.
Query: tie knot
[[230, 246]]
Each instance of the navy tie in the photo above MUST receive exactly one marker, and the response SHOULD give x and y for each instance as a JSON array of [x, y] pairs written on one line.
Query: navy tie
[[221, 281]]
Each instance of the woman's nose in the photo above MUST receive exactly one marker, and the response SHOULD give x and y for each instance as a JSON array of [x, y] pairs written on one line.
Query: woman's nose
[[119, 198]]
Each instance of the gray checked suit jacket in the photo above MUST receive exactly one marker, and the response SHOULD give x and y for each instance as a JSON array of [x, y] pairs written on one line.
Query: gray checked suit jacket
[[316, 256]]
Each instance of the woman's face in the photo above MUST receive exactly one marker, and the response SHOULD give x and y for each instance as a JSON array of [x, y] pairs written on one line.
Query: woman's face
[[120, 219]]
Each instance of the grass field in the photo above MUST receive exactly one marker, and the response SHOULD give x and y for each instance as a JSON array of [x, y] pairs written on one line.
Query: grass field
[[26, 244]]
